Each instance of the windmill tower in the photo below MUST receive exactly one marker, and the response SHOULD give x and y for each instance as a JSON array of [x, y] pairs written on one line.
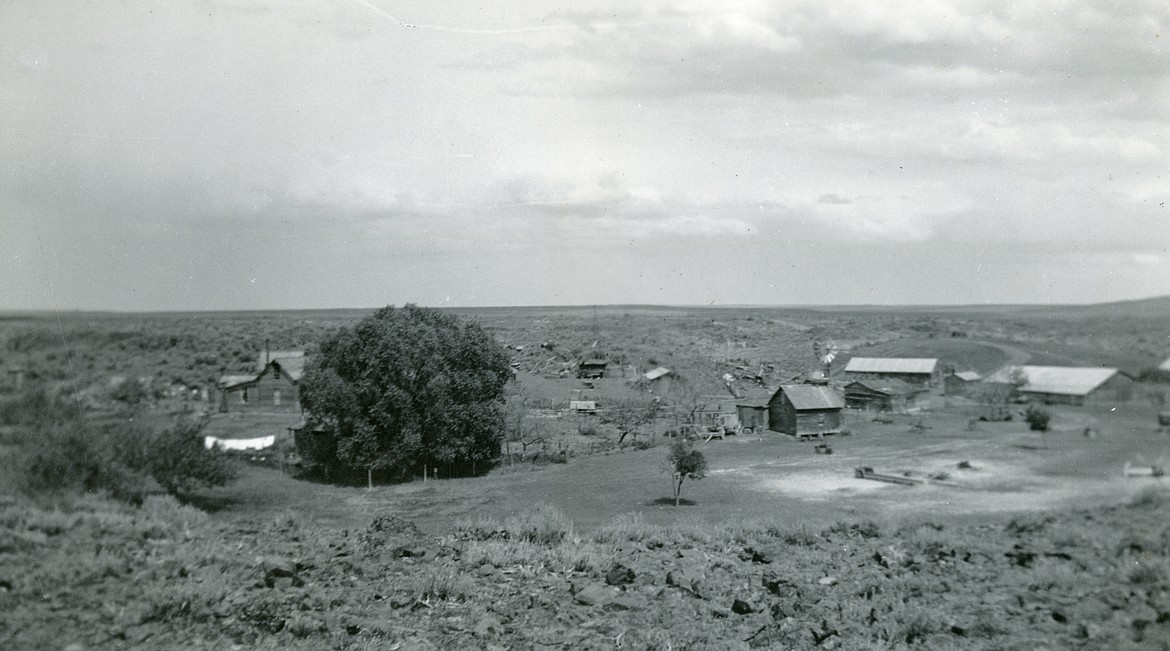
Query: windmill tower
[[826, 351]]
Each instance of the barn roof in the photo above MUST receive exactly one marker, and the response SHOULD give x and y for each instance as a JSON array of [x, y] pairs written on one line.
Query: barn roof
[[1063, 380], [656, 373], [593, 362], [968, 376], [810, 396], [891, 365]]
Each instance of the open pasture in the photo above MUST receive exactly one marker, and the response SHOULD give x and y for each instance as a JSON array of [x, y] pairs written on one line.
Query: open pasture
[[771, 478]]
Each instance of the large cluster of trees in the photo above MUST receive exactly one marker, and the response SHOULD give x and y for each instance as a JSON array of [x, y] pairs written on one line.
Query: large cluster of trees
[[405, 390]]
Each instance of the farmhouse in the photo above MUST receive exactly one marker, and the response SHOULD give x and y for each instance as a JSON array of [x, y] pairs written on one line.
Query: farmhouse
[[1068, 385], [878, 395], [273, 388], [923, 372], [592, 368], [805, 410]]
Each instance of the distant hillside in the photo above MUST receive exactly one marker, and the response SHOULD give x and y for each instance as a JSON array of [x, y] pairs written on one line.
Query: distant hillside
[[1154, 307]]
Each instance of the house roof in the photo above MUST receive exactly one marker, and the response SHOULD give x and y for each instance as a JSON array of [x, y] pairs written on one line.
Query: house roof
[[891, 365], [293, 366], [656, 373], [229, 381], [890, 387], [1164, 366], [263, 358], [968, 376], [594, 362], [1063, 380], [810, 396]]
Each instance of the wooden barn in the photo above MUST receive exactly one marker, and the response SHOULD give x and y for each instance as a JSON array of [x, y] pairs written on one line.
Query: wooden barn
[[877, 395], [592, 368], [803, 410], [915, 371], [272, 389], [1067, 385]]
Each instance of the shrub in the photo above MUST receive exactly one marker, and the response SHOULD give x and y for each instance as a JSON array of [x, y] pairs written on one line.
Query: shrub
[[1037, 418], [71, 458]]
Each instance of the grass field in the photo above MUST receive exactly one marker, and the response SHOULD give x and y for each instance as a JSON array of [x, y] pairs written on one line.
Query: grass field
[[770, 477]]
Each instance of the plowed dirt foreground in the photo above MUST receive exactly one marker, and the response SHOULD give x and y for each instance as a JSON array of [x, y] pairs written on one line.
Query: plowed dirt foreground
[[101, 576]]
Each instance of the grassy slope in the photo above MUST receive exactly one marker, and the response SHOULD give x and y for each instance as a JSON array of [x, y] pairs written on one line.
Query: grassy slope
[[167, 577]]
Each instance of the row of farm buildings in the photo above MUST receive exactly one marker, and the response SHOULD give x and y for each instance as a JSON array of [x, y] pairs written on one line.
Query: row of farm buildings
[[802, 409], [892, 384]]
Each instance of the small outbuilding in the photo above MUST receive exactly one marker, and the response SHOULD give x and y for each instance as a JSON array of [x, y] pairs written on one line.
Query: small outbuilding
[[877, 395], [753, 410], [592, 368], [922, 372], [804, 410], [658, 379], [960, 383]]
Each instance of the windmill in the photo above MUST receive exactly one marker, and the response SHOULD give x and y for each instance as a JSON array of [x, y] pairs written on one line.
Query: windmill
[[826, 351]]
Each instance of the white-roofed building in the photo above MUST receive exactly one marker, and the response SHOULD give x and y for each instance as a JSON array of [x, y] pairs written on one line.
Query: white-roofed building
[[1071, 385], [920, 371]]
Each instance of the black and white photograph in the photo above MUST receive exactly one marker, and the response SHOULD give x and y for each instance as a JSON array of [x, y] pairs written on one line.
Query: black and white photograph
[[794, 325]]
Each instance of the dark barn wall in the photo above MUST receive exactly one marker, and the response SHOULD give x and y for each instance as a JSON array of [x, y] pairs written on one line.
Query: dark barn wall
[[784, 418]]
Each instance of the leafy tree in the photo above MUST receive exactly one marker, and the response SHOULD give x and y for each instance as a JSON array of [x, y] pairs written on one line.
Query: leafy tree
[[1037, 418], [684, 462], [406, 389]]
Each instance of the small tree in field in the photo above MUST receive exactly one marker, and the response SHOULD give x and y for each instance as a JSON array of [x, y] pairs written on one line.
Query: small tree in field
[[1038, 419], [684, 462]]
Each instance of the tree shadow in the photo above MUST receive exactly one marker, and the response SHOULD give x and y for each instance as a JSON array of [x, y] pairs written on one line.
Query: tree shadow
[[669, 501]]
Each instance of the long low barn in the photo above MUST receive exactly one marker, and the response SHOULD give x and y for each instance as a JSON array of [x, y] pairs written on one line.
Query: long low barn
[[1070, 385], [912, 370]]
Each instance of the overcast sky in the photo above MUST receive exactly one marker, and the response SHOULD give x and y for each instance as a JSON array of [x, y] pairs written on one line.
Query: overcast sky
[[255, 154]]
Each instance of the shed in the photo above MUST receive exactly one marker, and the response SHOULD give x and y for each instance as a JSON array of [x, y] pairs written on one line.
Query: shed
[[878, 395], [592, 368], [805, 410], [1069, 385], [753, 410], [919, 371], [962, 382]]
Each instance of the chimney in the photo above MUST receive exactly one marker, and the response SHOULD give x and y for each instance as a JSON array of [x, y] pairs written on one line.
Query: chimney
[[267, 357]]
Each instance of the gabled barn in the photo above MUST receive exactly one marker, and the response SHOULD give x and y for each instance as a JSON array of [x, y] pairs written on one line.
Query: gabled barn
[[805, 410], [1068, 385], [273, 388], [877, 395], [923, 372]]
